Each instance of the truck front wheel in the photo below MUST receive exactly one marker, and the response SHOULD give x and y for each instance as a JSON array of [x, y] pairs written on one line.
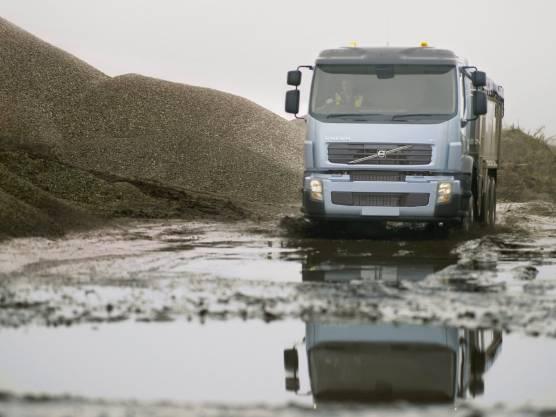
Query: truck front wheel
[[467, 221]]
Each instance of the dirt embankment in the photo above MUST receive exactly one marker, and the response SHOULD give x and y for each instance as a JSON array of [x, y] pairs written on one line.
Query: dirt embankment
[[528, 167], [76, 143], [44, 196]]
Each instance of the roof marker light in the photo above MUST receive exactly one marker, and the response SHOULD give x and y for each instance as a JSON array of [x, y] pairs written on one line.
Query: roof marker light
[[353, 44], [424, 44]]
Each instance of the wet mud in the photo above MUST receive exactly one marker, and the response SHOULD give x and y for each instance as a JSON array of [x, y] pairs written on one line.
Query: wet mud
[[161, 271], [230, 315]]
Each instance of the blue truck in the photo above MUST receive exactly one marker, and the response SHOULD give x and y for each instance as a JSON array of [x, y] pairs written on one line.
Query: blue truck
[[399, 134]]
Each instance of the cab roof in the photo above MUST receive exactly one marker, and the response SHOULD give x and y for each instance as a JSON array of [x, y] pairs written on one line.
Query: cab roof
[[389, 55]]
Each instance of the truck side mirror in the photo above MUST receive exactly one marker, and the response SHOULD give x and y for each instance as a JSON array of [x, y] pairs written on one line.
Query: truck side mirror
[[479, 79], [479, 103], [292, 101], [291, 366], [292, 384], [294, 78], [291, 360]]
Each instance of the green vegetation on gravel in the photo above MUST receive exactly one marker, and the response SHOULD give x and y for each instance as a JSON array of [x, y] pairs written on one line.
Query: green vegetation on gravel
[[527, 168]]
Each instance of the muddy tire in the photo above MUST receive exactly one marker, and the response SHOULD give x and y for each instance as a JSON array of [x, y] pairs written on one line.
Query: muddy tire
[[489, 206], [492, 195], [483, 201], [488, 210], [467, 221]]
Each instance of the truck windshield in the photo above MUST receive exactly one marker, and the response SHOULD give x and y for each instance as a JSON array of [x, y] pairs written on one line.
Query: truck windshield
[[383, 92]]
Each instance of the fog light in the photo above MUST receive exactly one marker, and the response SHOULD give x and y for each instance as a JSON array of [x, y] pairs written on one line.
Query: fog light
[[444, 192], [316, 190]]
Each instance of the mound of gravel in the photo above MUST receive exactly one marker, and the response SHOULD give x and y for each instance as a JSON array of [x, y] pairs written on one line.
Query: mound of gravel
[[193, 137], [39, 84], [42, 196], [218, 150], [28, 210], [142, 127]]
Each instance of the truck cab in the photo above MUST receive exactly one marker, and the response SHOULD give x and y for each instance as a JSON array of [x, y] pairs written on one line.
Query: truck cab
[[399, 134]]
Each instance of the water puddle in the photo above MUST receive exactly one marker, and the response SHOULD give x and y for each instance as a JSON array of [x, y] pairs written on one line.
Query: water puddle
[[161, 251], [173, 251], [171, 270], [250, 362]]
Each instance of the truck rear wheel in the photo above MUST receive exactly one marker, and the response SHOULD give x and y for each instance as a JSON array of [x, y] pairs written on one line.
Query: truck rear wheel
[[487, 216], [492, 202], [489, 203]]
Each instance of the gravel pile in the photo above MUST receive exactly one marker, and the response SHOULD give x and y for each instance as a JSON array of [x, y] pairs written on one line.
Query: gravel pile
[[39, 84], [206, 145], [42, 196], [193, 137]]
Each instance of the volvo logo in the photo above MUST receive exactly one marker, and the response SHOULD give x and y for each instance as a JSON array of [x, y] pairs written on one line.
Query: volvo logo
[[380, 154]]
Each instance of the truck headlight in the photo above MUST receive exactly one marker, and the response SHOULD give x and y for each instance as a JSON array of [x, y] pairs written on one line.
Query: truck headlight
[[316, 190], [444, 192]]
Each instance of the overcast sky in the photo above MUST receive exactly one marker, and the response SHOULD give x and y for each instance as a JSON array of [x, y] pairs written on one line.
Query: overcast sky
[[246, 46]]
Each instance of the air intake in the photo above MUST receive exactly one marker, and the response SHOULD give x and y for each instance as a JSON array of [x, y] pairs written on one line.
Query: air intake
[[343, 198], [379, 154]]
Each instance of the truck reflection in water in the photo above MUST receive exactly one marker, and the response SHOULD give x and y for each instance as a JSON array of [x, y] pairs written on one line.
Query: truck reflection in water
[[381, 363], [386, 273], [330, 266]]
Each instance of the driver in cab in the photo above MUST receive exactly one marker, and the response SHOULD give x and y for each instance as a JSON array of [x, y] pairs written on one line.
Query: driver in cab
[[344, 100]]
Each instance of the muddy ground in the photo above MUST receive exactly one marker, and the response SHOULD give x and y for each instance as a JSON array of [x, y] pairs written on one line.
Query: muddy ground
[[187, 312]]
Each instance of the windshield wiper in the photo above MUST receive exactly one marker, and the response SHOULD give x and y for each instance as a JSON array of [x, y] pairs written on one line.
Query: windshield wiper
[[409, 115], [338, 115]]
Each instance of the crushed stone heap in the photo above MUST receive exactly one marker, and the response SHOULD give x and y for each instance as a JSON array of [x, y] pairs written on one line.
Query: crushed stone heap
[[140, 127]]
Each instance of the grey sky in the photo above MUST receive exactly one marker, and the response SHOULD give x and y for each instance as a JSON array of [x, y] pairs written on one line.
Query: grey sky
[[246, 46]]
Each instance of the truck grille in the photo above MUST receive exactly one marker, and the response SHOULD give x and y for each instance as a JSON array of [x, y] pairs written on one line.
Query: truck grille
[[344, 198], [349, 153]]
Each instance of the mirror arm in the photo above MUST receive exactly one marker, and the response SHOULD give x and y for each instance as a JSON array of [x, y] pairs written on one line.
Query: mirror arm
[[468, 67], [465, 121]]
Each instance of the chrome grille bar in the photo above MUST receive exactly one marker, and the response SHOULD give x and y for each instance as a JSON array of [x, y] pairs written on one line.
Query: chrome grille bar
[[379, 154]]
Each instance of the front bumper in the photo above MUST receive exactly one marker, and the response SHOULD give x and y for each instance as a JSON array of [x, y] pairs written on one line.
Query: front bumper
[[432, 211]]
